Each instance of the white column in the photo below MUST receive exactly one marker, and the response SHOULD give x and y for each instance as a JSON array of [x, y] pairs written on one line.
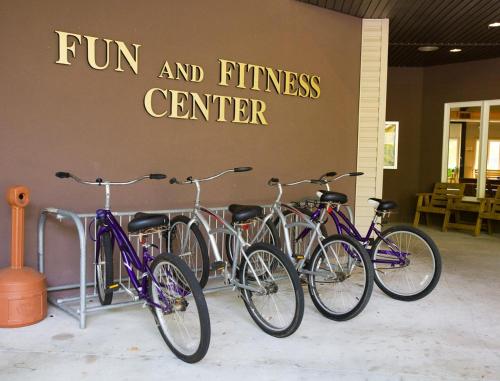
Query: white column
[[372, 97]]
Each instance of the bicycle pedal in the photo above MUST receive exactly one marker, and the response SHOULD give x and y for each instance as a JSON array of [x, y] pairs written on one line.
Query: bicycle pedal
[[112, 288], [218, 265], [298, 257]]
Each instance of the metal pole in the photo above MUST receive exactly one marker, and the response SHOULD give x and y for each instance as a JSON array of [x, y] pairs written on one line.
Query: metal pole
[[41, 241], [61, 213]]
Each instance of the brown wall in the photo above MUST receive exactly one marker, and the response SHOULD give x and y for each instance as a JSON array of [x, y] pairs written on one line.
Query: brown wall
[[55, 117], [470, 81], [416, 97], [404, 104]]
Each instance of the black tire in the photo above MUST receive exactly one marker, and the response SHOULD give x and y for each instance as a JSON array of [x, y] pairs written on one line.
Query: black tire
[[189, 281], [104, 267], [426, 242], [295, 231], [272, 238], [283, 264], [173, 243], [365, 278]]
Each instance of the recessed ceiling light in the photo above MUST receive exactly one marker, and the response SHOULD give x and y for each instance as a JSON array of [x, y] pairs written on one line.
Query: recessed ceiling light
[[428, 48], [494, 24], [456, 50]]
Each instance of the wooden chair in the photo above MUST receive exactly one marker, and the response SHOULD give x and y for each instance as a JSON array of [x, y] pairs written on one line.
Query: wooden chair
[[437, 201], [489, 210]]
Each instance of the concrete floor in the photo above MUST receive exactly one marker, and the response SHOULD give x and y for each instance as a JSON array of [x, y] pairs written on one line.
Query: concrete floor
[[453, 334]]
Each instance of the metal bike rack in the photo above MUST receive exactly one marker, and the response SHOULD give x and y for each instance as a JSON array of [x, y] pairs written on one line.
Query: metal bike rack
[[82, 223]]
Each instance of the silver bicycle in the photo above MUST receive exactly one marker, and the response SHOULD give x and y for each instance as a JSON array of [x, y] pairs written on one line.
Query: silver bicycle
[[337, 268], [265, 277]]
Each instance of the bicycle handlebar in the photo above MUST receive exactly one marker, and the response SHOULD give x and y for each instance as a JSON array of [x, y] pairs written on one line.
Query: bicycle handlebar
[[191, 180], [333, 174], [63, 175], [275, 181], [157, 176], [99, 181], [242, 169], [328, 174]]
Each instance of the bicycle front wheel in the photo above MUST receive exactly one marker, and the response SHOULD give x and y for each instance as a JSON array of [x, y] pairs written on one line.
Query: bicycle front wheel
[[179, 308], [271, 290], [407, 263], [189, 245], [341, 278], [104, 267]]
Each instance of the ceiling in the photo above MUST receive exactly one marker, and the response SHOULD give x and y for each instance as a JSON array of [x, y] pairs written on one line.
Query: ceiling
[[445, 23]]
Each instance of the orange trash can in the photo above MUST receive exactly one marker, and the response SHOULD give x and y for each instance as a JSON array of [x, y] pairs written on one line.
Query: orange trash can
[[23, 291]]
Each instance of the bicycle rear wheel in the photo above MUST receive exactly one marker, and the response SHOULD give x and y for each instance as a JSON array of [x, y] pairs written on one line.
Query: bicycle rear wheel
[[273, 295], [195, 252], [179, 309], [419, 267], [342, 281], [269, 235], [104, 267], [298, 245]]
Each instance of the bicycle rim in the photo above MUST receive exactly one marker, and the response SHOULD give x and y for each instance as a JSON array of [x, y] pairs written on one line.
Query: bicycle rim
[[415, 274], [179, 318], [104, 269], [191, 254], [274, 305], [340, 278]]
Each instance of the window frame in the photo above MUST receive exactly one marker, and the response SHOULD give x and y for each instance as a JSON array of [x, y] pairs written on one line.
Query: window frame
[[484, 106], [396, 143]]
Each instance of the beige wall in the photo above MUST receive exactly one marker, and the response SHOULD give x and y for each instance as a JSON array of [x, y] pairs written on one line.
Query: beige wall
[[55, 117]]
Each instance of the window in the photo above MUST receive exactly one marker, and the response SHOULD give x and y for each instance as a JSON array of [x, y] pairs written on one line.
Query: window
[[493, 155], [453, 160], [391, 133], [471, 146]]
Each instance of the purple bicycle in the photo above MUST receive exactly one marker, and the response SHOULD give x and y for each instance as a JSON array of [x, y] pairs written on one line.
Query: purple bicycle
[[406, 261], [166, 284]]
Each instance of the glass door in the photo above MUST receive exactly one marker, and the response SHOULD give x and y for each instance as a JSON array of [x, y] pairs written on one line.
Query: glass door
[[463, 127], [471, 147], [492, 152]]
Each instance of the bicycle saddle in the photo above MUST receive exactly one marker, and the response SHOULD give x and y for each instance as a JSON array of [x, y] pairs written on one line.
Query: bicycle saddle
[[142, 221], [382, 205], [245, 212], [335, 197]]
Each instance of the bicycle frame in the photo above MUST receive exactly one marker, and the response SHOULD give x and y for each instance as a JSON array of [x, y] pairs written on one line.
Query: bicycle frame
[[131, 260], [304, 221], [344, 225], [241, 244]]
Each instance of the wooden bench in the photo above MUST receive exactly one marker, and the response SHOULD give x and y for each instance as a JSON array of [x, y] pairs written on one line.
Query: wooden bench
[[489, 210], [437, 201], [456, 205]]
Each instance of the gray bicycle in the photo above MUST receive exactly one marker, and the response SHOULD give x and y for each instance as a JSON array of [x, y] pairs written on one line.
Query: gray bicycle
[[265, 276], [336, 268]]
